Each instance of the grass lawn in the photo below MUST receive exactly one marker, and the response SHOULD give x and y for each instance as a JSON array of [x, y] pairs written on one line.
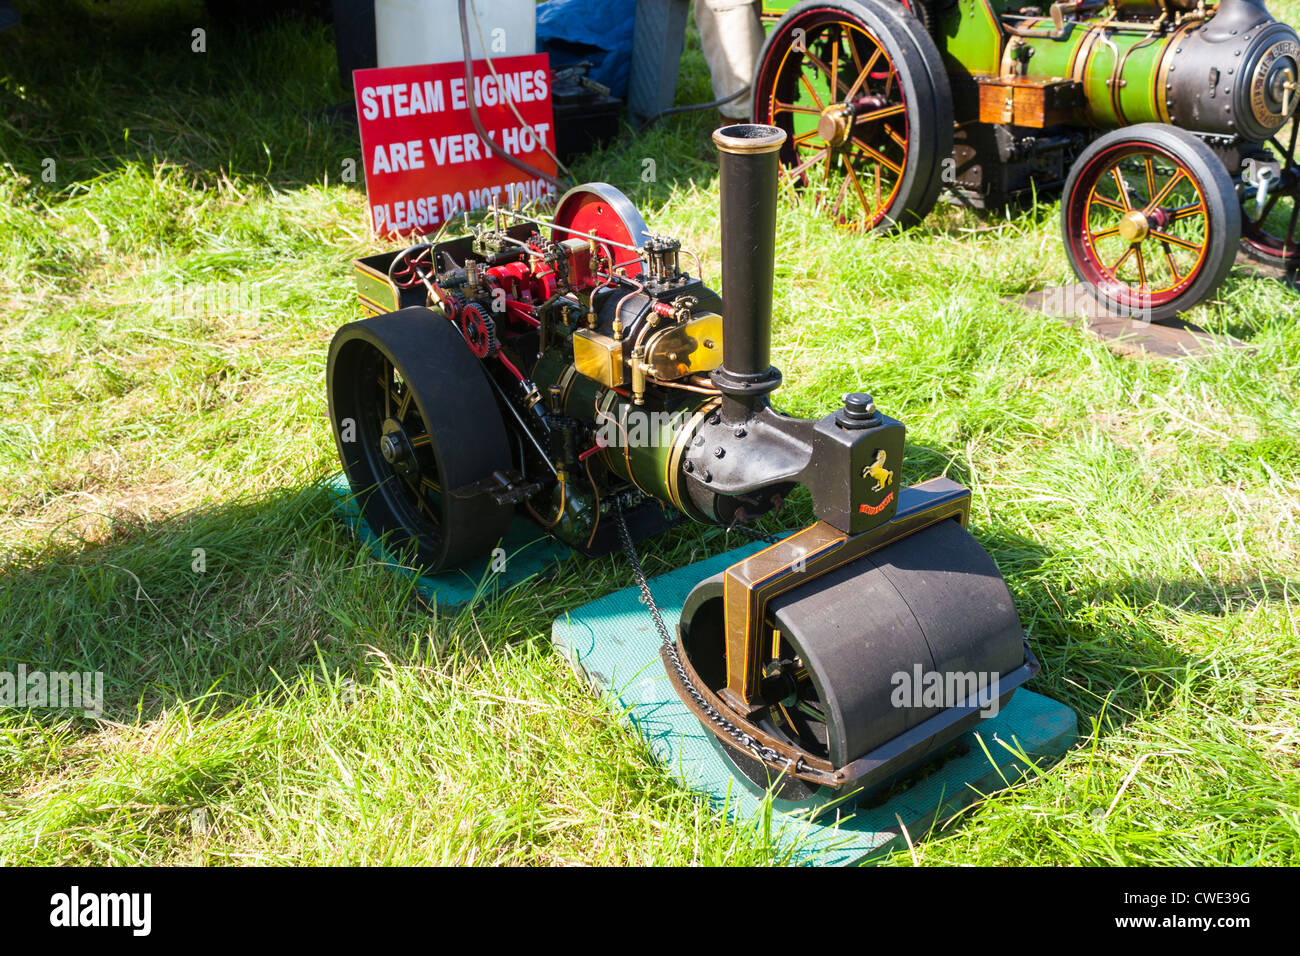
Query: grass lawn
[[165, 307]]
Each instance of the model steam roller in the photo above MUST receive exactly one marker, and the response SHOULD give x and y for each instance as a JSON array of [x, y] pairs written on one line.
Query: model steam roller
[[527, 358], [1170, 124]]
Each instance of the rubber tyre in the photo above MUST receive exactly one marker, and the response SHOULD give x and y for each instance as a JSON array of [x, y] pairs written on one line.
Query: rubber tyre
[[922, 79], [1222, 219], [455, 403]]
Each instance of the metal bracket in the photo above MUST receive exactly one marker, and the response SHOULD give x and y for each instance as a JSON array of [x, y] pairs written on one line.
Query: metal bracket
[[505, 488]]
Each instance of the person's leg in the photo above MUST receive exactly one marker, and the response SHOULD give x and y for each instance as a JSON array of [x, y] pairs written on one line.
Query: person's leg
[[731, 34]]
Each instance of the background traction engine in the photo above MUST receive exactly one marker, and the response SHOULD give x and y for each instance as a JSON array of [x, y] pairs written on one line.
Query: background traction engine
[[573, 371], [1170, 124]]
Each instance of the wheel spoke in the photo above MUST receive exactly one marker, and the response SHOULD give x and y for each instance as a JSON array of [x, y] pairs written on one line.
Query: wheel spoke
[[878, 157], [1169, 187], [1104, 234], [867, 209], [808, 164], [831, 72], [1187, 212], [1114, 270], [843, 194], [1104, 201], [780, 107], [853, 51], [1123, 187], [811, 92], [1142, 266], [420, 502], [388, 388], [835, 58], [865, 72], [881, 113], [1151, 175], [1169, 260], [825, 70], [1165, 237]]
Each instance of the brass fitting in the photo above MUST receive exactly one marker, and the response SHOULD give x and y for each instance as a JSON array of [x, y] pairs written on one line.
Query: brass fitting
[[638, 375]]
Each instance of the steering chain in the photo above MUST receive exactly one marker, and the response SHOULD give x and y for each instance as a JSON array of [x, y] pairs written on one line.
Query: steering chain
[[745, 741]]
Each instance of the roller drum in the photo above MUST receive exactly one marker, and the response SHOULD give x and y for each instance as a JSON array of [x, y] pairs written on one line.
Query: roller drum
[[934, 599]]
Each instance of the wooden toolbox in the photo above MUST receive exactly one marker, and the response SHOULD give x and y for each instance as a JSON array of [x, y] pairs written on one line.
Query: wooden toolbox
[[1028, 101]]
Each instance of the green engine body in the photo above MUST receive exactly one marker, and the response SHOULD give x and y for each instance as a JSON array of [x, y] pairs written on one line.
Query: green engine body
[[1210, 68]]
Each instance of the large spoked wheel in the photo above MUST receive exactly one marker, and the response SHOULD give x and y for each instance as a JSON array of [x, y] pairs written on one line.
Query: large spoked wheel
[[416, 425], [1150, 221], [1270, 230], [861, 92]]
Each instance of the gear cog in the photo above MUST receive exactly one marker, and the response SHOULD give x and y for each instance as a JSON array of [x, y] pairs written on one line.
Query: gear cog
[[480, 330]]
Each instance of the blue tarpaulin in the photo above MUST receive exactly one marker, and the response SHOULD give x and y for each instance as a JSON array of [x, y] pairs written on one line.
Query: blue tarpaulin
[[599, 31]]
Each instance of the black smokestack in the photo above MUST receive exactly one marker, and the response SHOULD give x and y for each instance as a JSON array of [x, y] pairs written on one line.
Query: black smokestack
[[749, 160]]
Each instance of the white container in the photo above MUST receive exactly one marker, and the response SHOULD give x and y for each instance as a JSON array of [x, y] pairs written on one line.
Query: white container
[[428, 31]]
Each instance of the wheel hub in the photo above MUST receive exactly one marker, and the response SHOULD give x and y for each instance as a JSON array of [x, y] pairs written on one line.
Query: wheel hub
[[835, 124], [396, 449], [1134, 227]]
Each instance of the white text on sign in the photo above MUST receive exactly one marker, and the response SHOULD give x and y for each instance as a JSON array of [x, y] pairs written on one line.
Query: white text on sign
[[457, 148], [427, 212], [417, 99]]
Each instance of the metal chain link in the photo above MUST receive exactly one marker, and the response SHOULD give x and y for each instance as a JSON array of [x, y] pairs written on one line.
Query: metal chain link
[[766, 537], [746, 741]]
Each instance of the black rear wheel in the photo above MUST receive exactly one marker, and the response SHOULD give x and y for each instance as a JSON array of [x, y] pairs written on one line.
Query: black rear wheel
[[417, 424]]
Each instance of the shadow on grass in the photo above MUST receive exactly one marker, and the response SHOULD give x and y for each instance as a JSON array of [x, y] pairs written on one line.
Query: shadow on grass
[[253, 103], [262, 102], [222, 601]]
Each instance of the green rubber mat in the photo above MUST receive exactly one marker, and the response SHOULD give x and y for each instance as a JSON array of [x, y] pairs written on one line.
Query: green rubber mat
[[612, 642], [525, 554]]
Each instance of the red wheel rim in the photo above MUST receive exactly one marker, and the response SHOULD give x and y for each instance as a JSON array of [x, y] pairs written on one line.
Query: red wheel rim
[[1138, 225], [832, 86]]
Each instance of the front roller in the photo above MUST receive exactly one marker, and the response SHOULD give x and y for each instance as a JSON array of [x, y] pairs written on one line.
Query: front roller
[[829, 664]]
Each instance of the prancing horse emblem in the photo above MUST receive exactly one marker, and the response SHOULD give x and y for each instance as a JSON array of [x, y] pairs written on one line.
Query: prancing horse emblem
[[878, 471]]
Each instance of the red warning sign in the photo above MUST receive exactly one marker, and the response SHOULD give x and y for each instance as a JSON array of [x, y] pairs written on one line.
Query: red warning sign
[[425, 162]]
